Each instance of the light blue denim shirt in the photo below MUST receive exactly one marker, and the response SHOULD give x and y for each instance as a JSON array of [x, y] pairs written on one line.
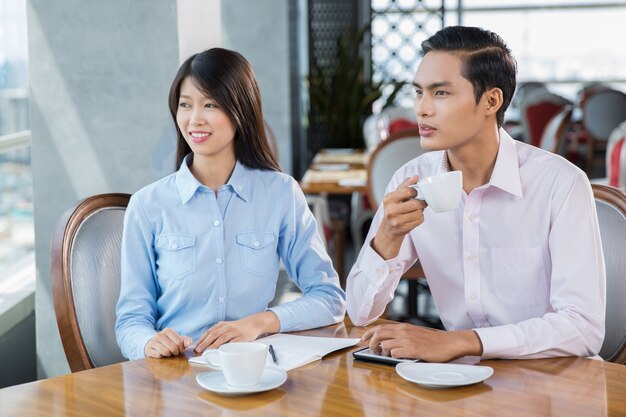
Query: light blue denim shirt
[[191, 259]]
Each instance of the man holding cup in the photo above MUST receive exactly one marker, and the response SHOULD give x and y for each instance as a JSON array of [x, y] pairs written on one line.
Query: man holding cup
[[516, 268]]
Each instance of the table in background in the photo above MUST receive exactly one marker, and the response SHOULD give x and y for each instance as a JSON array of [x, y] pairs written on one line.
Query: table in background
[[335, 386], [337, 172]]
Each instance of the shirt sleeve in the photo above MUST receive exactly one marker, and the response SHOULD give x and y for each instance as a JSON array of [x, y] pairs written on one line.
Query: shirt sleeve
[[575, 327], [310, 268], [136, 308], [373, 280]]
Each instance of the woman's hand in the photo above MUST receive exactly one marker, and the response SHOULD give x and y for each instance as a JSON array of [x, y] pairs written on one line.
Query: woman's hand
[[243, 330], [410, 341], [166, 343]]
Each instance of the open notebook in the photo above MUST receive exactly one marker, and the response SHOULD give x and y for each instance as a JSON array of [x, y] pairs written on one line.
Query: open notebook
[[293, 351]]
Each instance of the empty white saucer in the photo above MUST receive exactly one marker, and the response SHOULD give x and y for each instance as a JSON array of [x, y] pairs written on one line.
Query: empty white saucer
[[272, 377], [442, 375]]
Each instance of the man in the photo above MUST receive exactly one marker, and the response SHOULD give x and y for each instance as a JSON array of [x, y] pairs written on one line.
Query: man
[[517, 270]]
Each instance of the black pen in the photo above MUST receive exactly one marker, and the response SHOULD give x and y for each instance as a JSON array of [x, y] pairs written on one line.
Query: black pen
[[273, 354]]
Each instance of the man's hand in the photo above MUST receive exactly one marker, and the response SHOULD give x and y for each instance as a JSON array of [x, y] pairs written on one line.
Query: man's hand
[[166, 343], [409, 341], [243, 330], [402, 213]]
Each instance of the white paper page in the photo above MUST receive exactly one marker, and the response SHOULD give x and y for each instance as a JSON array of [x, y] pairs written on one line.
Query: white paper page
[[310, 345]]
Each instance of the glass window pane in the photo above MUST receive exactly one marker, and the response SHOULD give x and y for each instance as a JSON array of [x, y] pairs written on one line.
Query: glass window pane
[[14, 113], [586, 44]]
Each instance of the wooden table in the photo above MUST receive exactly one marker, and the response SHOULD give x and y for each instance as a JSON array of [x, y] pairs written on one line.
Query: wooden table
[[350, 165], [335, 386]]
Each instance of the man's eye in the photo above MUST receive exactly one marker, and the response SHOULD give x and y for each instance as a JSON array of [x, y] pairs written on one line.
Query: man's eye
[[418, 92], [441, 93]]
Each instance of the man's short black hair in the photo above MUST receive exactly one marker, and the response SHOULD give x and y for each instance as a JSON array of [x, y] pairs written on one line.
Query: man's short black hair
[[487, 61]]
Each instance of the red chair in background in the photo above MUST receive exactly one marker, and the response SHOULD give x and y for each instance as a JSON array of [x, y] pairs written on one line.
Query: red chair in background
[[554, 138], [616, 157], [603, 110], [537, 108]]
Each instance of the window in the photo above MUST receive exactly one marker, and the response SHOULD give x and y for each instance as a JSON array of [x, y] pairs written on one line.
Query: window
[[16, 199], [562, 43]]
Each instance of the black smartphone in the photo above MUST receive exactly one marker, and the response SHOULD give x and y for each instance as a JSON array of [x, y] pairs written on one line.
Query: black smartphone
[[367, 355]]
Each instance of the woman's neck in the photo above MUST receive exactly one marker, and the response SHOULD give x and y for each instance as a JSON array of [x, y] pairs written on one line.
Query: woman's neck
[[212, 172]]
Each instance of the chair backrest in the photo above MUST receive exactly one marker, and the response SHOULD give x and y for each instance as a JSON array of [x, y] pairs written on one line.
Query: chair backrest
[[387, 158], [603, 110], [616, 157], [553, 137], [611, 208], [85, 269], [537, 108]]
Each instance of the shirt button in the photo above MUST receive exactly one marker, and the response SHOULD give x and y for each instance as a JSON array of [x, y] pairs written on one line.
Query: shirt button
[[470, 257], [218, 260], [221, 299], [470, 217], [174, 246], [472, 297], [216, 223], [256, 244]]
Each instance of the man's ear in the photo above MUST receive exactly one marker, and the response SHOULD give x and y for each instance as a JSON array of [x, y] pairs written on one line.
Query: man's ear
[[493, 100]]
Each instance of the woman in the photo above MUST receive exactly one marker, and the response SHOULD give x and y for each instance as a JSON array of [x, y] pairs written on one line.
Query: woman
[[202, 246]]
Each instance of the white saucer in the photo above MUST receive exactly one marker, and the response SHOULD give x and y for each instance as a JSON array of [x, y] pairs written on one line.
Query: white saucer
[[272, 377], [443, 375]]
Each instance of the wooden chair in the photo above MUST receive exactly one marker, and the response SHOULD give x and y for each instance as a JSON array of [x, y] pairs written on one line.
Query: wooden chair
[[387, 158], [537, 108], [85, 269], [553, 137], [603, 110], [611, 208], [616, 157]]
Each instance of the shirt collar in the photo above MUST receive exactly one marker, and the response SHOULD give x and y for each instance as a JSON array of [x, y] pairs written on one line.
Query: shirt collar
[[506, 175], [187, 184]]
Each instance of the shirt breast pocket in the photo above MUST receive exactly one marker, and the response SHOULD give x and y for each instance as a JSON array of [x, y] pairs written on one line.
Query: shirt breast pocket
[[258, 252], [519, 276], [176, 255]]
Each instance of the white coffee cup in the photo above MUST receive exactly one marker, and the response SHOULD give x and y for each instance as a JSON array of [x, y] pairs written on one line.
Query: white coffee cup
[[442, 192], [241, 362]]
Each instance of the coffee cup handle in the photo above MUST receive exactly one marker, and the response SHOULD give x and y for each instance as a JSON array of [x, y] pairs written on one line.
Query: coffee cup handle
[[211, 361], [419, 196]]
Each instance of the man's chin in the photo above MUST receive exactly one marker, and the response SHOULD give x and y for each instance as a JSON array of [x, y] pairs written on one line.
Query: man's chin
[[431, 144]]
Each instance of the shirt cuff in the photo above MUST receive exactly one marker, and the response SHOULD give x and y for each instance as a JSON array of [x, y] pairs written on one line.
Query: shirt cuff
[[140, 339], [286, 324], [499, 342]]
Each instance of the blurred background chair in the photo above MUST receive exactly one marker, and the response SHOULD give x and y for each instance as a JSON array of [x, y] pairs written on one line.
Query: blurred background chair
[[616, 157], [85, 269], [602, 111], [611, 208], [553, 137], [537, 108]]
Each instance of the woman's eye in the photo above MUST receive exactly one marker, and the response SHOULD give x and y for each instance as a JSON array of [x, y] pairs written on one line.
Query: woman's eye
[[183, 105], [210, 106]]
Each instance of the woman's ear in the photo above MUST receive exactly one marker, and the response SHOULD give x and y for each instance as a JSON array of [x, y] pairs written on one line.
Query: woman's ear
[[493, 100]]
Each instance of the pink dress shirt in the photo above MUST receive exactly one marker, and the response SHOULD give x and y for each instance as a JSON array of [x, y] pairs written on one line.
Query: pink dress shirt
[[519, 261]]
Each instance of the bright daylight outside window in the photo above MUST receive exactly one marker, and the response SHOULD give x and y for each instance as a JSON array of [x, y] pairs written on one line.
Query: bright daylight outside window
[[564, 43], [16, 199]]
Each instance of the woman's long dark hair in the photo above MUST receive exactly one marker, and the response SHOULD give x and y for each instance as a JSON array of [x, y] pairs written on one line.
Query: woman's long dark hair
[[227, 77]]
